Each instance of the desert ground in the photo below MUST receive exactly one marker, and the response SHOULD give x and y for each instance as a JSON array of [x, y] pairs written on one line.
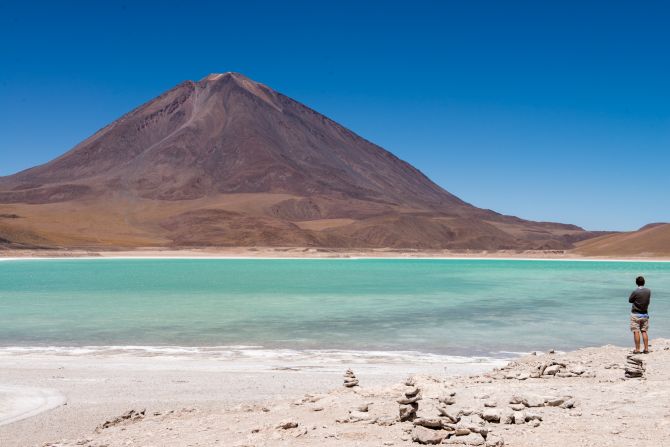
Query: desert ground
[[581, 398]]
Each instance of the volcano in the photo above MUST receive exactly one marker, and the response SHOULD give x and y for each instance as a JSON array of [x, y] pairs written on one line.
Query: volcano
[[227, 161]]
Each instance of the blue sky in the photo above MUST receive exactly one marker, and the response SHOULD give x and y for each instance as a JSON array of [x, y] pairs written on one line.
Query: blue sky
[[552, 110]]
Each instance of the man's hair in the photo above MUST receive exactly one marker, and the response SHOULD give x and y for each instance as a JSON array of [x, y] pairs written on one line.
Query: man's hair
[[639, 280]]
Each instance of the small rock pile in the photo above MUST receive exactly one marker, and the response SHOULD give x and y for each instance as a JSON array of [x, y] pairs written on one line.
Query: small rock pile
[[634, 367], [128, 416], [559, 369], [409, 403], [350, 379]]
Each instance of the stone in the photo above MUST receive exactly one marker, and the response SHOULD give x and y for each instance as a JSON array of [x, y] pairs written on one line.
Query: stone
[[409, 400], [551, 370], [465, 411], [472, 439], [494, 441], [350, 379], [535, 423], [533, 416], [570, 403], [408, 412], [411, 392], [516, 399], [128, 416], [532, 400], [447, 400], [577, 370], [424, 435], [363, 408], [462, 431], [490, 404], [556, 401], [451, 416], [429, 422], [507, 417], [519, 418], [491, 415], [287, 424], [517, 407], [523, 376], [358, 416]]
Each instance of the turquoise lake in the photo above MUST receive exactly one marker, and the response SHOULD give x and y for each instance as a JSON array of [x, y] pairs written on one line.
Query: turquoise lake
[[458, 307]]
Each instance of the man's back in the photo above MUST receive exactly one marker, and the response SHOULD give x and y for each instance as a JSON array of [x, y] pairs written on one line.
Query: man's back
[[640, 299]]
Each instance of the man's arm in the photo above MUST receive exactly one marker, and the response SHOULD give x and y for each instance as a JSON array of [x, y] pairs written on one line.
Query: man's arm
[[631, 298]]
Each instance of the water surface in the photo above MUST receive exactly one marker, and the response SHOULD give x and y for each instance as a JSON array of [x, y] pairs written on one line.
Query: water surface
[[459, 307]]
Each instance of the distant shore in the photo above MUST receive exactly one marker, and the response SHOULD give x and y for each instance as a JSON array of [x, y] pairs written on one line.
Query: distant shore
[[316, 253]]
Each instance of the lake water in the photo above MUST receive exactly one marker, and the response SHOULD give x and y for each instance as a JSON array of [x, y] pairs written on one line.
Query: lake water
[[451, 307]]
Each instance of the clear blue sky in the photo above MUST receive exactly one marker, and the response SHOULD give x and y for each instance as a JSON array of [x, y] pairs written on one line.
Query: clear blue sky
[[549, 110]]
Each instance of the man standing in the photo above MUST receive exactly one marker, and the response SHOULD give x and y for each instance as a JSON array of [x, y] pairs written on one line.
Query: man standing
[[639, 319]]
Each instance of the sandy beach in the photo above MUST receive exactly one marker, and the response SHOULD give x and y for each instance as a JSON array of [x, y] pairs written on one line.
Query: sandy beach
[[120, 398]]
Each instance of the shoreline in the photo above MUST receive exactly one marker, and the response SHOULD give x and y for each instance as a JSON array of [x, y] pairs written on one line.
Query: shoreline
[[200, 399], [176, 255]]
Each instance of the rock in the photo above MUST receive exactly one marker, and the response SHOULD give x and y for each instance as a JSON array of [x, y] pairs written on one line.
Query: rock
[[385, 421], [285, 425], [429, 422], [517, 407], [519, 418], [408, 412], [358, 416], [363, 408], [565, 374], [523, 376], [409, 400], [128, 416], [551, 370], [410, 381], [535, 423], [533, 416], [491, 416], [532, 400], [556, 401], [507, 417], [578, 370], [490, 404], [570, 403], [451, 416], [462, 431], [447, 400], [424, 435], [465, 411], [411, 392], [316, 408], [552, 351], [350, 379], [494, 441], [472, 439], [516, 399]]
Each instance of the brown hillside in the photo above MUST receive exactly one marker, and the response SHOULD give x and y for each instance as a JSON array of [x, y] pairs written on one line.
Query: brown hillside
[[227, 161], [650, 240]]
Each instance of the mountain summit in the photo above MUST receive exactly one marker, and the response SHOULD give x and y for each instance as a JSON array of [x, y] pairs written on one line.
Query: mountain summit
[[228, 161]]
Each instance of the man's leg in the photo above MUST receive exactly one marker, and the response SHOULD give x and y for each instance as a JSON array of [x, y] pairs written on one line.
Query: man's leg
[[636, 338], [645, 337]]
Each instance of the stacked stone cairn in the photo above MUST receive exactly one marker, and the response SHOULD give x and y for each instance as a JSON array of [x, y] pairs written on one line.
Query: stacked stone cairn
[[634, 367], [409, 403], [350, 379]]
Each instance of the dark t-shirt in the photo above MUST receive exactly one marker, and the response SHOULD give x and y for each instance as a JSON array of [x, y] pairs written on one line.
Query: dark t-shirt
[[640, 299]]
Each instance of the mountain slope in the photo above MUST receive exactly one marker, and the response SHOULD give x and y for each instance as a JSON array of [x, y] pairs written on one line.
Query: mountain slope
[[650, 240], [229, 161]]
